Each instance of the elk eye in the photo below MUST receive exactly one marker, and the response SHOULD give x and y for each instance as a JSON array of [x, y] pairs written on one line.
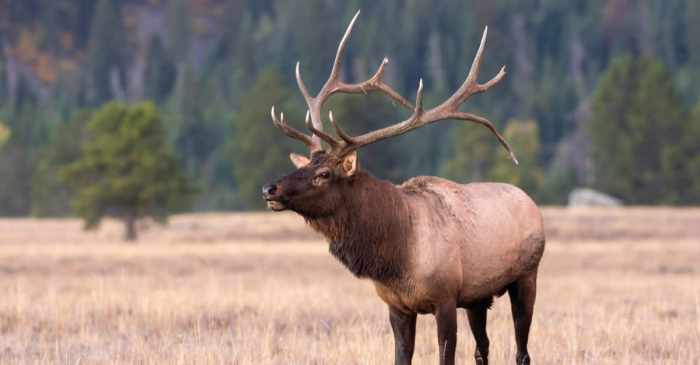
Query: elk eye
[[324, 174]]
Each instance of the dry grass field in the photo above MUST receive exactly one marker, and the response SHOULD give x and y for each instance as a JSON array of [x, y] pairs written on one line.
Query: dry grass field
[[618, 286]]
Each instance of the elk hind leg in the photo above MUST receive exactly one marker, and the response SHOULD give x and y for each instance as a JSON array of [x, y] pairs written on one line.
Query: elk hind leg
[[522, 302], [446, 316], [477, 314]]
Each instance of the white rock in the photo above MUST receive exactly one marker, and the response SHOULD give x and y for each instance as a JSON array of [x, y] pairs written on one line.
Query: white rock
[[584, 197]]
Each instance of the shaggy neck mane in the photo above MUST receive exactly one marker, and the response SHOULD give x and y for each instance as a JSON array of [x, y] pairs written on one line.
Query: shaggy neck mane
[[370, 228]]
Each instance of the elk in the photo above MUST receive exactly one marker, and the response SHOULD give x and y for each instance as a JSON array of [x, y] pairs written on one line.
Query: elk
[[429, 245]]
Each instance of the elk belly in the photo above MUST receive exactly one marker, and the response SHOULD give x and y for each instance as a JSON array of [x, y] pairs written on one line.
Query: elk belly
[[505, 243], [407, 300], [471, 241]]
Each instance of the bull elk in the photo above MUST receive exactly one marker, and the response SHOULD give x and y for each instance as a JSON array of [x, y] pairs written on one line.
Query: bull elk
[[429, 245]]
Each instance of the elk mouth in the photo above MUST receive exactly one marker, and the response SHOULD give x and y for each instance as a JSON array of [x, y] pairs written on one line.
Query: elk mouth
[[275, 205]]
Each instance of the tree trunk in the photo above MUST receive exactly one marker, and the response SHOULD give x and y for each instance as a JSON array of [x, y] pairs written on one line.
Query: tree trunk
[[130, 234]]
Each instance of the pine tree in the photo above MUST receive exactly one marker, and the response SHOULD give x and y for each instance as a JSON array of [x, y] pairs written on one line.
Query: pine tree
[[51, 196], [15, 170], [160, 71], [692, 21], [681, 161], [315, 49], [637, 117], [471, 155], [126, 170], [179, 40], [106, 53], [258, 150], [523, 137], [179, 28], [477, 156], [18, 156], [360, 114]]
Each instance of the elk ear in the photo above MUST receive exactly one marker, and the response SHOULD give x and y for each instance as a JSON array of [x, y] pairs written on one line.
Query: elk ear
[[349, 165], [298, 160]]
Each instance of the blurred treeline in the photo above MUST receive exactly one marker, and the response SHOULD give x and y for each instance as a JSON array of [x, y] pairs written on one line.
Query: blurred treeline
[[214, 68]]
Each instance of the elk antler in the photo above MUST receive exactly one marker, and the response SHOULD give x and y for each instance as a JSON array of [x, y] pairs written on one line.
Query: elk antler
[[449, 109], [291, 132], [333, 85]]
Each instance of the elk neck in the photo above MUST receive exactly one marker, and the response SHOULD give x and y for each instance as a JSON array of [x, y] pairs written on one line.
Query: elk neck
[[370, 230]]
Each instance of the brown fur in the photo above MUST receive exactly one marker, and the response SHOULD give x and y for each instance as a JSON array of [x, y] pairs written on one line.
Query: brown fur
[[429, 245], [369, 231]]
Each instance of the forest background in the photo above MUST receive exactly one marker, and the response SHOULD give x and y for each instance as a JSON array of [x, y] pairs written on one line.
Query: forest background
[[599, 93]]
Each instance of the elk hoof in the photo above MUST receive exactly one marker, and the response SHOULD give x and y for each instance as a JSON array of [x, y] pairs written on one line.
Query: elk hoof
[[522, 359], [481, 358]]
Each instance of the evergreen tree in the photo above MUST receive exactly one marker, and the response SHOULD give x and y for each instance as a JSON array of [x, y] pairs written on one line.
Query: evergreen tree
[[523, 137], [234, 11], [477, 156], [244, 64], [179, 28], [358, 114], [106, 53], [471, 155], [18, 157], [258, 150], [315, 49], [126, 170], [58, 56], [681, 163], [51, 196], [636, 120], [557, 183], [15, 171], [692, 21], [160, 72]]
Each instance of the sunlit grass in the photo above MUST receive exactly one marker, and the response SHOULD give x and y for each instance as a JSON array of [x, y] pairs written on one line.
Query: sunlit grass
[[264, 301]]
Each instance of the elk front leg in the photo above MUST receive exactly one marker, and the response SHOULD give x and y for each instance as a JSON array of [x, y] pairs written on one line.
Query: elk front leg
[[404, 327], [446, 316]]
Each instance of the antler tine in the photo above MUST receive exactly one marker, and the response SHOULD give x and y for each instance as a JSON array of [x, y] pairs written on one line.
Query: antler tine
[[334, 84], [345, 137], [419, 97], [335, 71], [291, 132], [449, 109], [476, 63], [471, 86], [414, 121], [321, 134], [375, 83], [316, 103], [409, 123], [302, 86], [486, 123]]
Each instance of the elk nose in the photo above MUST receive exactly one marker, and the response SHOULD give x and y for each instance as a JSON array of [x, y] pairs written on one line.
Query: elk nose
[[269, 190]]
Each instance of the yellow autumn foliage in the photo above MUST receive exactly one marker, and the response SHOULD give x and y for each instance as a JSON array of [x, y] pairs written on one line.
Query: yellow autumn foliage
[[5, 133]]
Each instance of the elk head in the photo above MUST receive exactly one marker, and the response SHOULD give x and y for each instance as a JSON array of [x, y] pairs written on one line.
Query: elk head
[[320, 182]]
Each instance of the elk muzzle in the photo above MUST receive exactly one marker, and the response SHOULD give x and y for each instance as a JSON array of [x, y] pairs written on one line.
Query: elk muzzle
[[270, 193]]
